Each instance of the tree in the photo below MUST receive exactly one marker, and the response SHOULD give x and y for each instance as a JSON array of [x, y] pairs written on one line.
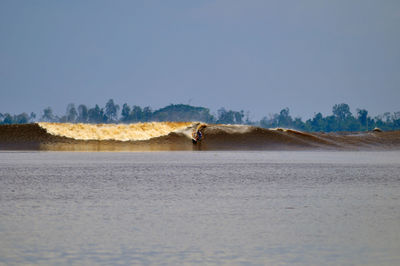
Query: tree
[[317, 123], [331, 124], [341, 111], [264, 122], [284, 119], [396, 120], [22, 118], [147, 114], [225, 117], [125, 113], [228, 117], [239, 117], [71, 113], [272, 121], [83, 114], [137, 114], [247, 118], [8, 119], [387, 117], [32, 117], [96, 115], [48, 115], [299, 124], [111, 110], [362, 116], [396, 116]]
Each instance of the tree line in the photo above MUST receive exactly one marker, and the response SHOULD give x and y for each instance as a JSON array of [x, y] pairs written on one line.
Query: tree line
[[341, 118]]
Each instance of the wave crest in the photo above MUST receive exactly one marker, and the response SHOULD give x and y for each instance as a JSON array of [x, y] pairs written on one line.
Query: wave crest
[[119, 132]]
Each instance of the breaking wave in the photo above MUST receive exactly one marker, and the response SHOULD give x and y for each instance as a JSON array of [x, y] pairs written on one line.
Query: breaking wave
[[155, 136], [119, 132]]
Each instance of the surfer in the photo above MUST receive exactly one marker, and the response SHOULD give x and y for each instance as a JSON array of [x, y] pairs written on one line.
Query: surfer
[[197, 136]]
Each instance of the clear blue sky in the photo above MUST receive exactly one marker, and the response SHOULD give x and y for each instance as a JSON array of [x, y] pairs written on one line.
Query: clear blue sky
[[255, 55]]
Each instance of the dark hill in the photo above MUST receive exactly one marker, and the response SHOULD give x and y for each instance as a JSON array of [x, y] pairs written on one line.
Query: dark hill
[[182, 112]]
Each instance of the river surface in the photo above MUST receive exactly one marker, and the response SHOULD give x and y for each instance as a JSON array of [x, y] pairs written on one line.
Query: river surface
[[173, 208]]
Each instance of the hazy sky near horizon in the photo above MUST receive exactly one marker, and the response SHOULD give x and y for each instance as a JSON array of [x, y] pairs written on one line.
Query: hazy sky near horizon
[[255, 55]]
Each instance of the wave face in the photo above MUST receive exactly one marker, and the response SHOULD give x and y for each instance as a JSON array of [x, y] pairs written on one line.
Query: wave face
[[157, 136]]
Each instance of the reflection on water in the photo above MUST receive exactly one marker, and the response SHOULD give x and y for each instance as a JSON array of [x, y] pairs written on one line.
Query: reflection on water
[[200, 208], [113, 146]]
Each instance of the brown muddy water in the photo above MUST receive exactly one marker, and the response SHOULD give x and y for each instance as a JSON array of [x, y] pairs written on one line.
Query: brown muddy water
[[177, 136], [173, 208]]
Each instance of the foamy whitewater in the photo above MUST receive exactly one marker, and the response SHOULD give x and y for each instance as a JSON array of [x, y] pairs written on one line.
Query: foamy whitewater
[[120, 132]]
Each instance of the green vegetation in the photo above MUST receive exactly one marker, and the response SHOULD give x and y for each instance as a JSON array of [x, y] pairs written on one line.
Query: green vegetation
[[7, 119], [341, 119]]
